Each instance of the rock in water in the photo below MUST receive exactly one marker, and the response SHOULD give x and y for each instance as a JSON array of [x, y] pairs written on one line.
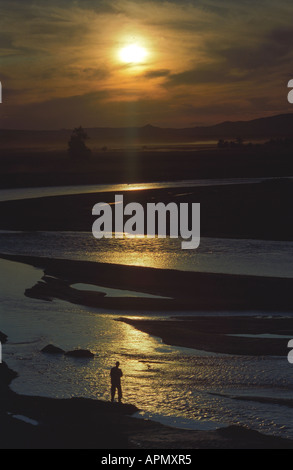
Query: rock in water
[[80, 353], [51, 349]]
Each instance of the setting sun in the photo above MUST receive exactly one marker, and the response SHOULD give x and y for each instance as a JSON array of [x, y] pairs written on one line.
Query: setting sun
[[133, 54]]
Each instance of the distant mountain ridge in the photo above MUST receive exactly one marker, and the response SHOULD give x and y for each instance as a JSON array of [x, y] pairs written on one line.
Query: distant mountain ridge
[[279, 126]]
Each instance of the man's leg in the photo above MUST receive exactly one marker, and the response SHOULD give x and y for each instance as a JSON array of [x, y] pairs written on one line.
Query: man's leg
[[112, 392], [119, 393]]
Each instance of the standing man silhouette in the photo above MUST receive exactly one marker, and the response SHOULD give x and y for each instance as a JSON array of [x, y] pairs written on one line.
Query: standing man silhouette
[[116, 375]]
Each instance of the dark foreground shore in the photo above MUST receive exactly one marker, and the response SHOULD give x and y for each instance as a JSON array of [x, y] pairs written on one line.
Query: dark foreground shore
[[79, 423]]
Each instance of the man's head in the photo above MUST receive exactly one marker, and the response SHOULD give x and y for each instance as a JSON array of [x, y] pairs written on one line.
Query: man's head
[[117, 364]]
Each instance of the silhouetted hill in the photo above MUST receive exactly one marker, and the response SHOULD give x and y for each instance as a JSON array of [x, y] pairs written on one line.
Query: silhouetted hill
[[280, 126], [269, 127]]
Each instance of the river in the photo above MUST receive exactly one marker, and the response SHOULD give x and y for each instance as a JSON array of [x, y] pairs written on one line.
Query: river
[[176, 386]]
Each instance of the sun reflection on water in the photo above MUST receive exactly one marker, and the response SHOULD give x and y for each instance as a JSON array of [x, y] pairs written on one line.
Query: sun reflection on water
[[134, 250]]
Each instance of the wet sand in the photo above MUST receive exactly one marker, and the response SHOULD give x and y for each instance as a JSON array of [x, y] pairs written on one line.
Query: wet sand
[[220, 334], [253, 211], [188, 290]]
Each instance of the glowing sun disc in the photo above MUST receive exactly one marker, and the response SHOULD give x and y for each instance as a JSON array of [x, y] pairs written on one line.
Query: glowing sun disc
[[133, 54]]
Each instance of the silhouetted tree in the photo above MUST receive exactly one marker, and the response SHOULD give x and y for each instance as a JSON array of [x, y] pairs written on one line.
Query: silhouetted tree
[[222, 144], [239, 141], [76, 145]]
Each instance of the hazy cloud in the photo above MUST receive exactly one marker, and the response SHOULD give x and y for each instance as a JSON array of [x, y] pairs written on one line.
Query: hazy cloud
[[213, 73], [157, 73], [60, 58]]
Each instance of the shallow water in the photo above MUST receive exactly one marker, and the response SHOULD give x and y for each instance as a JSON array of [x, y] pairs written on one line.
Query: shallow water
[[110, 292], [27, 193], [178, 386], [256, 257]]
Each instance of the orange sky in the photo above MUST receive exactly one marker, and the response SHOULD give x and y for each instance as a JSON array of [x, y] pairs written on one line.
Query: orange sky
[[206, 62]]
